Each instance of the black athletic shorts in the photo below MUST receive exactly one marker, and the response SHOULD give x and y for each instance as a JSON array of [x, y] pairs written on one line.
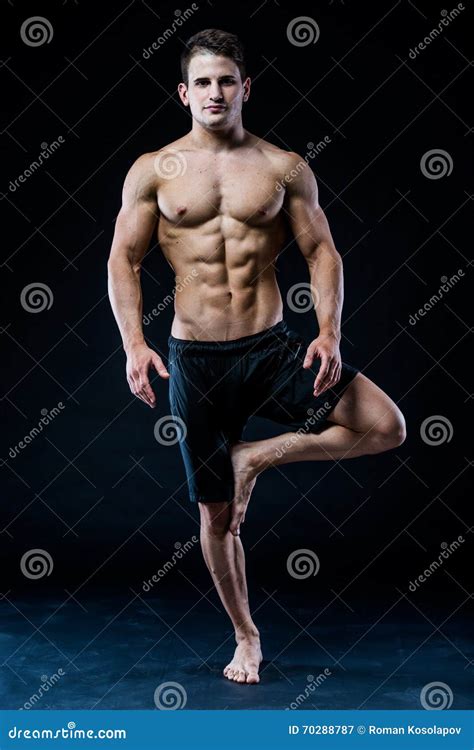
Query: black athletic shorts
[[216, 386]]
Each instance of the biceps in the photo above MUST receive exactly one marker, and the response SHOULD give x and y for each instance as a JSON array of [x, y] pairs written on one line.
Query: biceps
[[133, 230], [310, 226]]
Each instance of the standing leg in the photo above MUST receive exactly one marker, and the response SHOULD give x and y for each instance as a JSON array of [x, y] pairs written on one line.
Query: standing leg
[[224, 556]]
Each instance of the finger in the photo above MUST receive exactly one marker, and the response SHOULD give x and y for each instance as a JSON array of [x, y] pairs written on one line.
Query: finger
[[323, 371], [144, 395], [236, 519], [146, 390], [149, 395], [137, 394], [160, 368], [330, 380], [337, 374], [137, 387], [234, 527], [133, 383], [137, 391], [308, 360]]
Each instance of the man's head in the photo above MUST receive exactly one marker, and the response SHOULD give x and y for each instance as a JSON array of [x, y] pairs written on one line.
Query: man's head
[[214, 78]]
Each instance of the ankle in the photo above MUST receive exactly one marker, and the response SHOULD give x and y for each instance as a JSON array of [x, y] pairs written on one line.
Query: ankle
[[255, 459], [263, 456], [247, 634]]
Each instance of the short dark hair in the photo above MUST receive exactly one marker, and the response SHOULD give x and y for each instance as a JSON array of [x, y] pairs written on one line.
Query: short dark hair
[[217, 42]]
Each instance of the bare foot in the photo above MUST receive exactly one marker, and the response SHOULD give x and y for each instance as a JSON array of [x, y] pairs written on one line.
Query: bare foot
[[246, 470], [246, 662]]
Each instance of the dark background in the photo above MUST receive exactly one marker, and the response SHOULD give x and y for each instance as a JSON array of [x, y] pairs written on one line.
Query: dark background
[[95, 489]]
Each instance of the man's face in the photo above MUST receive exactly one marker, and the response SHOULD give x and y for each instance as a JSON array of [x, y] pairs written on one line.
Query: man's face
[[215, 91]]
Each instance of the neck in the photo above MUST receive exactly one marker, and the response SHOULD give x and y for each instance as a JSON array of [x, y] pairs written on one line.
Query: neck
[[218, 140]]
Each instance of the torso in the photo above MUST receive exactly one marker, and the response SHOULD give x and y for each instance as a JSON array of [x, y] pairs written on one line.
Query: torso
[[221, 228]]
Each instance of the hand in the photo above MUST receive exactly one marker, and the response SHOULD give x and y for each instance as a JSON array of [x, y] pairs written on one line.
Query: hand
[[326, 348], [139, 360], [239, 508]]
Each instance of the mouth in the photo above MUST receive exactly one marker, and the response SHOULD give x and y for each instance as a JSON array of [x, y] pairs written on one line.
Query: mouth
[[216, 108]]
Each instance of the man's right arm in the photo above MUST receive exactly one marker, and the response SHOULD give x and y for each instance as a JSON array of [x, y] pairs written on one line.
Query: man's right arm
[[133, 229]]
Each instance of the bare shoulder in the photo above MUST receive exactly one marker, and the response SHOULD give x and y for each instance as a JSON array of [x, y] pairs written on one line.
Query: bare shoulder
[[171, 160], [269, 150], [141, 179], [297, 171], [298, 179], [149, 171], [290, 166]]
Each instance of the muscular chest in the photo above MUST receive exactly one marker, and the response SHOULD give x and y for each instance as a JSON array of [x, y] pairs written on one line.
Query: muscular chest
[[243, 191]]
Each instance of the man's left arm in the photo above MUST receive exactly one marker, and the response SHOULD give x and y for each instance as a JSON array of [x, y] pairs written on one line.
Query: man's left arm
[[313, 236]]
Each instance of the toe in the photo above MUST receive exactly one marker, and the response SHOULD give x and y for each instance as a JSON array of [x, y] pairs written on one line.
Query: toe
[[241, 676], [252, 677]]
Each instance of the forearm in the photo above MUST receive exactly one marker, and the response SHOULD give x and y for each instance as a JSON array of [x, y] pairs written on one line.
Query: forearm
[[327, 281], [126, 299]]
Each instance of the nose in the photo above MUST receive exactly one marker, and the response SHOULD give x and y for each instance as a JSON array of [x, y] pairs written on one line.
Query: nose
[[215, 93]]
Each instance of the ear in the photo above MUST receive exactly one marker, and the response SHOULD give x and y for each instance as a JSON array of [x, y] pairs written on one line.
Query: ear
[[246, 86], [183, 93]]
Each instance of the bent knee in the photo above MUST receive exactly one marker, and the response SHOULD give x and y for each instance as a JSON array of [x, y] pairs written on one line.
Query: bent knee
[[215, 518], [390, 432]]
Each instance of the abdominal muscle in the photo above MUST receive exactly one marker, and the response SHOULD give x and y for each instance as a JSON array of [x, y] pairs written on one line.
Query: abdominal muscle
[[224, 291]]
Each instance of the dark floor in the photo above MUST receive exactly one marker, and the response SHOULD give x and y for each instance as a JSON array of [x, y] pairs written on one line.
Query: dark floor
[[114, 651]]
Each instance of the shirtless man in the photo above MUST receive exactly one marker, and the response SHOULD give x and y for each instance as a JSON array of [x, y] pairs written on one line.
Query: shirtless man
[[221, 199]]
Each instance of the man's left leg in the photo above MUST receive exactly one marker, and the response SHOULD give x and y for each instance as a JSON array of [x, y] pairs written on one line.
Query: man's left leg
[[364, 421], [225, 559]]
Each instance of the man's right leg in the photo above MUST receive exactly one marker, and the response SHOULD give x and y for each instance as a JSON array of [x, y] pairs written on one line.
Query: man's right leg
[[225, 558]]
